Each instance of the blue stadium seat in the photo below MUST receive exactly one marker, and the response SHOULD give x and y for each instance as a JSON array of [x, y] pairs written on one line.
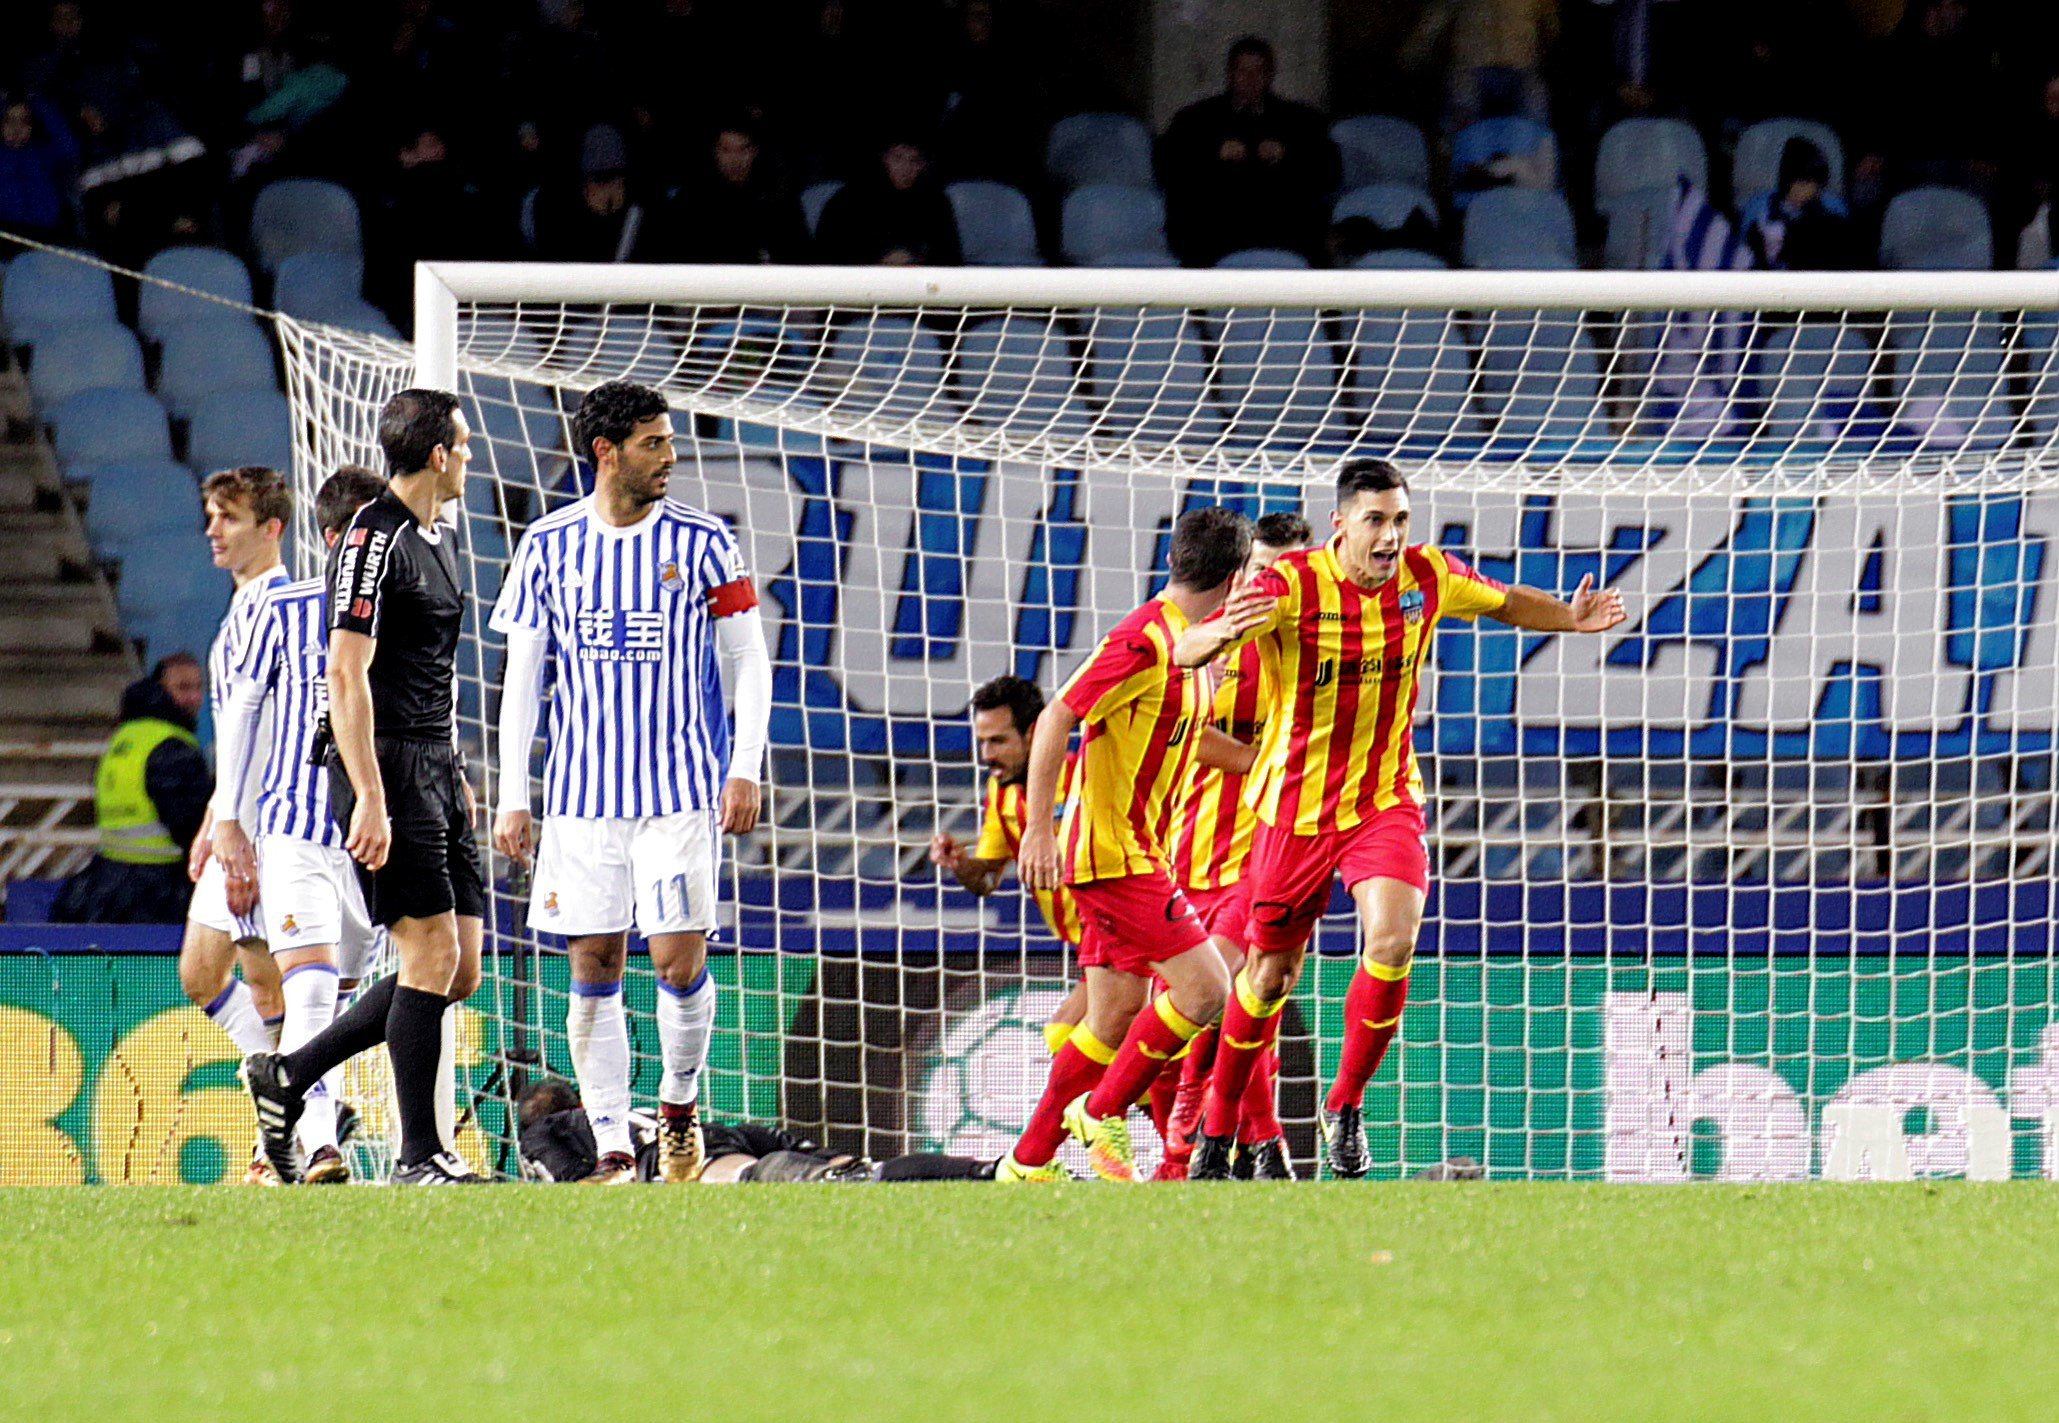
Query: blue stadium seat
[[1685, 369], [1936, 230], [1378, 148], [110, 426], [2040, 345], [1641, 154], [1520, 229], [1099, 148], [1387, 204], [304, 215], [1640, 228], [1143, 261], [361, 316], [1020, 370], [70, 359], [624, 347], [886, 366], [814, 198], [170, 595], [518, 437], [1810, 381], [1756, 167], [1264, 259], [1401, 259], [1151, 375], [1276, 376], [310, 285], [46, 290], [202, 357], [1478, 145], [138, 501], [1949, 387], [234, 427], [207, 269], [1104, 218], [995, 225], [1408, 377], [1539, 377]]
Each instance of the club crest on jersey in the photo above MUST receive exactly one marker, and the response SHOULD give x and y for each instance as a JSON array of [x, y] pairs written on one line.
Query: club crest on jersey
[[670, 578], [289, 925], [1412, 606], [550, 902]]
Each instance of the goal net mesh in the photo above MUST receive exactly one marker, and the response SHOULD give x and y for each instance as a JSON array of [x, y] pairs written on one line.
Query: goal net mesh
[[1758, 886]]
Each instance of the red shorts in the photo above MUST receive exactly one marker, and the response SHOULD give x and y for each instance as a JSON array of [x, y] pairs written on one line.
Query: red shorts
[[1224, 911], [1134, 922], [1290, 874]]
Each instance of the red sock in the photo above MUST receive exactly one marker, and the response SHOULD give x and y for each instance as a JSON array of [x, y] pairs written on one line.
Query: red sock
[[1260, 1120], [1193, 1091], [1250, 1027], [1164, 1090], [1154, 1036], [1077, 1067], [1372, 1014]]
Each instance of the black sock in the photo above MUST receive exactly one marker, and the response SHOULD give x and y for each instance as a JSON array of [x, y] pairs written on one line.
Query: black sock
[[414, 1040], [358, 1028]]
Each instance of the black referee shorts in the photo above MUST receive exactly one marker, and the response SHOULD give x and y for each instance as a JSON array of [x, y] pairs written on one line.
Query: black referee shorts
[[433, 866]]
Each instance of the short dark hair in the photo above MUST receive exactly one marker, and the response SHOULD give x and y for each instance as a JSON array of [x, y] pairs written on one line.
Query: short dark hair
[[263, 489], [1368, 476], [1209, 546], [342, 494], [1282, 529], [611, 410], [1250, 44], [1021, 696], [412, 424], [170, 660], [545, 1097]]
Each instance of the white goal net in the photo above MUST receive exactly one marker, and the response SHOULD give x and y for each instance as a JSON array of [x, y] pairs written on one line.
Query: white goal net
[[1759, 886]]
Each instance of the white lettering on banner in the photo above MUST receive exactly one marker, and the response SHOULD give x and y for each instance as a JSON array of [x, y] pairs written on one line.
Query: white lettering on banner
[[2034, 1095]]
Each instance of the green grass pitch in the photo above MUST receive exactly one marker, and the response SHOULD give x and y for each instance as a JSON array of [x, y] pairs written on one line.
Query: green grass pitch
[[978, 1302]]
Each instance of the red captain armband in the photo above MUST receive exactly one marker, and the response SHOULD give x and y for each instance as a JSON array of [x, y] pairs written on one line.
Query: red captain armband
[[733, 598]]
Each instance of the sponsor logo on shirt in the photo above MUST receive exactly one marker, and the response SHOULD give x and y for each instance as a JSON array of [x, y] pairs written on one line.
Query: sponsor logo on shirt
[[612, 635]]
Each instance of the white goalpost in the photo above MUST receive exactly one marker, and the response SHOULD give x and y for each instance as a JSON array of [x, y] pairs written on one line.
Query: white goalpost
[[1760, 886]]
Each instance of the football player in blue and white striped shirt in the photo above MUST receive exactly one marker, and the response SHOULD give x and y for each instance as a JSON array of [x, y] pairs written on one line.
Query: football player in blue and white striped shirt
[[644, 611], [314, 910]]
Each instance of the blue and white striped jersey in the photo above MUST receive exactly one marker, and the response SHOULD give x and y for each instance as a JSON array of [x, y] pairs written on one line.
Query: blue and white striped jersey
[[637, 725], [288, 656], [225, 654]]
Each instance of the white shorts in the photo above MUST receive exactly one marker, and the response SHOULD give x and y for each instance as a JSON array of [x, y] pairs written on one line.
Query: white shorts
[[209, 907], [593, 875], [310, 896]]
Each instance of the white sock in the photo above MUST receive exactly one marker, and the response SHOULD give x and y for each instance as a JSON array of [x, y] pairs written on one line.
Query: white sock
[[597, 1031], [447, 1083], [275, 1029], [310, 993], [235, 1013], [686, 1023]]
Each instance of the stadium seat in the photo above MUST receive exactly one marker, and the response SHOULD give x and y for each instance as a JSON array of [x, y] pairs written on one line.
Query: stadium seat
[[1936, 230], [170, 595], [1684, 370], [1810, 382], [70, 359], [1020, 370], [1139, 260], [207, 269], [623, 345], [1401, 259], [361, 316], [1642, 154], [202, 357], [1386, 204], [110, 426], [1151, 376], [1378, 148], [518, 435], [1520, 229], [304, 215], [1408, 378], [135, 502], [1103, 218], [1099, 148], [1640, 228], [1539, 377], [1275, 375], [1264, 259], [235, 427], [1527, 143], [46, 290], [814, 198], [310, 285], [883, 366], [995, 225], [1756, 167], [1949, 388], [2040, 345]]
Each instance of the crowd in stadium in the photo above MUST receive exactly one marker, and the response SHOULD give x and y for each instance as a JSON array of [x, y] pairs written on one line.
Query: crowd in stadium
[[827, 131]]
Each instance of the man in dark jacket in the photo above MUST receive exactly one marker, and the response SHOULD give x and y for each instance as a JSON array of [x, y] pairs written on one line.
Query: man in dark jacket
[[895, 216], [1246, 168], [149, 797], [736, 210]]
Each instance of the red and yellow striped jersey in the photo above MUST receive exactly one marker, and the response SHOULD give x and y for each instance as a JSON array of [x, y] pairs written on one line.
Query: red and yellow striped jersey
[[1142, 716], [1212, 838], [1347, 661], [1000, 838]]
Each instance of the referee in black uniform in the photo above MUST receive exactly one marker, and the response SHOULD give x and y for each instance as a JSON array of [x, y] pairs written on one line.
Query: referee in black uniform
[[397, 785]]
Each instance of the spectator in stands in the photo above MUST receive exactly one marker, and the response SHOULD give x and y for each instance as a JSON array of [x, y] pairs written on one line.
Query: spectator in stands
[[1354, 237], [599, 220], [2038, 180], [896, 216], [37, 159], [425, 208], [1772, 65], [736, 209], [140, 179], [1488, 156], [149, 797], [995, 113], [1246, 168], [1800, 227], [1476, 42], [1935, 115]]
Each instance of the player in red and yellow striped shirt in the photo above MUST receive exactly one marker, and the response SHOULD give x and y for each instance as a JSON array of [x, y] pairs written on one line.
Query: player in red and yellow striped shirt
[[1342, 631], [1145, 722], [1211, 845]]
